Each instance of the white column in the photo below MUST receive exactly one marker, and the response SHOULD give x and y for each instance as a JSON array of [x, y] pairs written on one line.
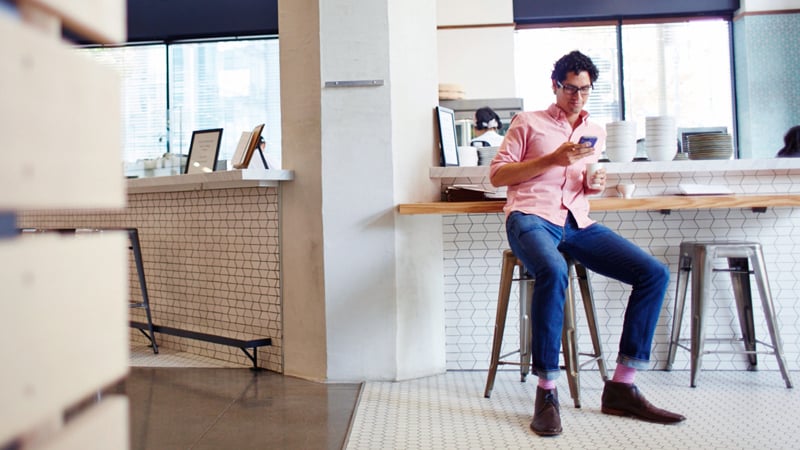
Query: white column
[[362, 289]]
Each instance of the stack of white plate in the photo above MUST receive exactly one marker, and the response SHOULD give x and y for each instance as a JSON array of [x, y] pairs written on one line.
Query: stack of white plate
[[486, 154], [621, 141], [660, 138], [710, 146]]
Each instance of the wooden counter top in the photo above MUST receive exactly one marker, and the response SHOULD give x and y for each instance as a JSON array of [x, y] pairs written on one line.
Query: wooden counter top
[[666, 202]]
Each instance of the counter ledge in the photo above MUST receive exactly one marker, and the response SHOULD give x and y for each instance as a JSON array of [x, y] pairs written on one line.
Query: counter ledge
[[659, 203]]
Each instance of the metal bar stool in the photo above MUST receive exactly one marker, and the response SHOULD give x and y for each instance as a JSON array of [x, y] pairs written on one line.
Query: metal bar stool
[[568, 338], [696, 259]]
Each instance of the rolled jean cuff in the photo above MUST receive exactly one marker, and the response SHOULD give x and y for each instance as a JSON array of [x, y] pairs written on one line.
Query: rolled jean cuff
[[638, 364], [548, 374]]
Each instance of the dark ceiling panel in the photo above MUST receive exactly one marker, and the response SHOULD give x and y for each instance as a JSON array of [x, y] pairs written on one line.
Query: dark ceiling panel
[[167, 20], [533, 11]]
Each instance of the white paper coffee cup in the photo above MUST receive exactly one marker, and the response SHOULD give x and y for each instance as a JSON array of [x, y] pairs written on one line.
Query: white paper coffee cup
[[590, 171]]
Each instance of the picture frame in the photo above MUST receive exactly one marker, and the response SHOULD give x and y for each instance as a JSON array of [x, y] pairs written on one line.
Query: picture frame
[[448, 143], [203, 151], [241, 149], [242, 160]]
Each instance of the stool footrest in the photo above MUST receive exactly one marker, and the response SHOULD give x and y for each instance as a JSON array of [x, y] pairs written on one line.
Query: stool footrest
[[592, 359], [774, 351]]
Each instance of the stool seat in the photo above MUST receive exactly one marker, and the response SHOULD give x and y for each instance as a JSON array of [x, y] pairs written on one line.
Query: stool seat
[[568, 337], [696, 262]]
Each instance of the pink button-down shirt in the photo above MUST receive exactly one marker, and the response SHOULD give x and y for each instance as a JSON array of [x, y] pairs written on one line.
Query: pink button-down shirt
[[558, 190]]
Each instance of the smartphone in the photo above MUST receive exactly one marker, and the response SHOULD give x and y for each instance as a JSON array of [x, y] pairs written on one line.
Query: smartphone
[[588, 139]]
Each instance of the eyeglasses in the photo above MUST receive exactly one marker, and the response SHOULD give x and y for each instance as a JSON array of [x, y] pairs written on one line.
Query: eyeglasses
[[572, 90]]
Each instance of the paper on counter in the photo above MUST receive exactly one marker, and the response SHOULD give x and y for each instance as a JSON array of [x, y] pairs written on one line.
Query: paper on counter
[[703, 189]]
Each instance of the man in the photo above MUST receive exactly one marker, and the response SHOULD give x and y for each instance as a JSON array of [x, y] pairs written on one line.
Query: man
[[547, 213]]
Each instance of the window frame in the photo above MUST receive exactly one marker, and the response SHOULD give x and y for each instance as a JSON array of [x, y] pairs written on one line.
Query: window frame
[[173, 144], [619, 22]]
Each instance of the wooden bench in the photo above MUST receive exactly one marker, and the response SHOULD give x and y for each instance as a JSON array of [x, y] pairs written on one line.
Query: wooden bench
[[242, 344]]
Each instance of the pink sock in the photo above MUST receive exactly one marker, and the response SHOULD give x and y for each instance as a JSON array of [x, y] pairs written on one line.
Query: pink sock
[[624, 374], [547, 384]]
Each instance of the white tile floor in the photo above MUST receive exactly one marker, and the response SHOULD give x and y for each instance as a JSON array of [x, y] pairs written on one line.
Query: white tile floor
[[142, 356], [725, 410]]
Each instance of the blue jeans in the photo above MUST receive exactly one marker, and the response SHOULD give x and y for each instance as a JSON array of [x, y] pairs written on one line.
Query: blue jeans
[[539, 243]]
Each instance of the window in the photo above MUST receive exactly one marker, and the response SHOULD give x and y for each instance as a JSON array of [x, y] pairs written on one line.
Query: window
[[144, 97], [231, 85], [171, 90], [534, 65], [681, 69]]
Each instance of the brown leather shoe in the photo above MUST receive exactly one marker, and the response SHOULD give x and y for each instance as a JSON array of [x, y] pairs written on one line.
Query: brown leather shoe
[[622, 399], [546, 413]]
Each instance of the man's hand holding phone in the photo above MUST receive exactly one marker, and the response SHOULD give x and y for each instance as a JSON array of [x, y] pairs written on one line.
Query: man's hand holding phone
[[591, 140]]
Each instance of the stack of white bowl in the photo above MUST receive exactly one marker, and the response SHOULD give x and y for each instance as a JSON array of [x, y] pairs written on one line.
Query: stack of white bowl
[[660, 138], [621, 141]]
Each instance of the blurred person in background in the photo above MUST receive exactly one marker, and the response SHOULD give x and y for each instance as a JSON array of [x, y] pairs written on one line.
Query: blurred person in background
[[487, 122], [791, 144]]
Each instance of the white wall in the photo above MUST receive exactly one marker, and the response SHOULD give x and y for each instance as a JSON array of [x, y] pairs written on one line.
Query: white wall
[[476, 47], [419, 273], [474, 12]]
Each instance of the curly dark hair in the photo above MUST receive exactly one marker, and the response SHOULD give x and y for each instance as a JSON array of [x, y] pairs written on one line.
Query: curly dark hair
[[484, 116], [576, 62]]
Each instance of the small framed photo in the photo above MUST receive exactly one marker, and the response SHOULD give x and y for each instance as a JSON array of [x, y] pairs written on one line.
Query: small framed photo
[[448, 145], [241, 149], [203, 151], [244, 153]]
